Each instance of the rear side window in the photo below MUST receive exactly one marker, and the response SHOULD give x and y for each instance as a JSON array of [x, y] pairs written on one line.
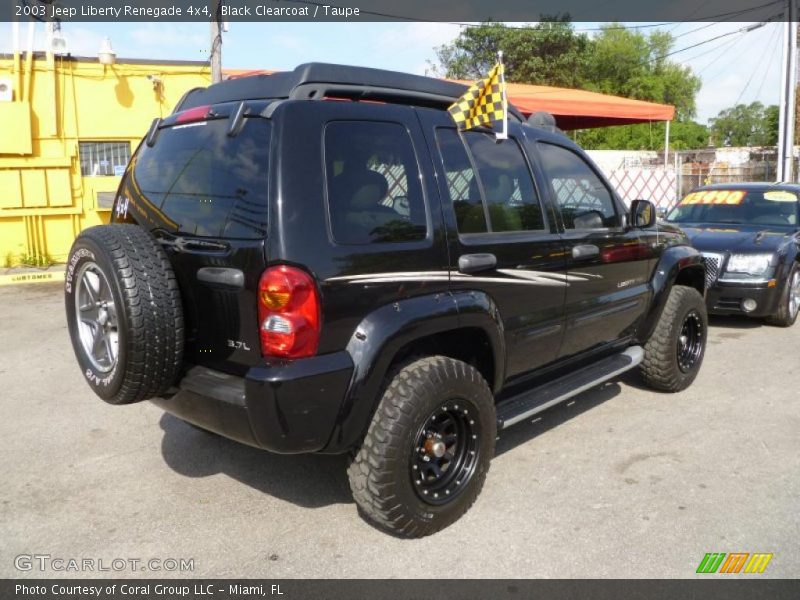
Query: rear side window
[[584, 200], [373, 184], [502, 190], [200, 181]]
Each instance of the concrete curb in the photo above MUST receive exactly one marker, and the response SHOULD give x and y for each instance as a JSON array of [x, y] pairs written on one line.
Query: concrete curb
[[20, 276]]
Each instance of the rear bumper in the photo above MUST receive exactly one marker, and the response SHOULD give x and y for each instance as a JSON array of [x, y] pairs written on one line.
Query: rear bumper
[[727, 298], [286, 407]]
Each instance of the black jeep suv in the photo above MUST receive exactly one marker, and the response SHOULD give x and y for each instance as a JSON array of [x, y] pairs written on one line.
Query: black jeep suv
[[319, 261]]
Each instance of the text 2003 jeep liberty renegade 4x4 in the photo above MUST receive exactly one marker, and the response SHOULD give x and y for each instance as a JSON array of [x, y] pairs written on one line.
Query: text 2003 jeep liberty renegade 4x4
[[303, 271]]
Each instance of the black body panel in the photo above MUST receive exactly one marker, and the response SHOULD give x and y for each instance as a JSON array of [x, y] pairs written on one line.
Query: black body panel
[[281, 407], [353, 279], [527, 281], [727, 299]]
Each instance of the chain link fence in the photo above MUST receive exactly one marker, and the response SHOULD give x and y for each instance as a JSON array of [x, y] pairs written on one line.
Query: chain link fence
[[644, 175]]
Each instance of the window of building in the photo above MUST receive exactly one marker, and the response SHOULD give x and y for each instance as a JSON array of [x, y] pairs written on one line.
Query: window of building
[[373, 184], [103, 159], [503, 189], [584, 200]]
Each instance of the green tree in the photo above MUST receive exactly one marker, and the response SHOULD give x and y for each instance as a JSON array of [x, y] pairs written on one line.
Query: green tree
[[616, 61], [771, 117], [548, 53], [683, 135], [629, 63], [745, 125]]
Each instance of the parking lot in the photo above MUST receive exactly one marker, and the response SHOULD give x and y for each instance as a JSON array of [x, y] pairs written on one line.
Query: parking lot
[[622, 482]]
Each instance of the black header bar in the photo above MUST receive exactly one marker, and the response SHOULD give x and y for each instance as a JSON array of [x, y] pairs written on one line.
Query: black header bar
[[716, 587], [460, 11]]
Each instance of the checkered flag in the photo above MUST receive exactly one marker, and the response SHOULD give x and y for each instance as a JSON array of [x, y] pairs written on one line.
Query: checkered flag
[[483, 104]]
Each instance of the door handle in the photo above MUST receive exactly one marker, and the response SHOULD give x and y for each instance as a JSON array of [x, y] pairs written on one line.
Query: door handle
[[473, 263], [585, 251]]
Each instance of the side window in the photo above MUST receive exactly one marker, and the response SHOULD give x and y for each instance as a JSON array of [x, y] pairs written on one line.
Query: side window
[[584, 200], [462, 184], [503, 188], [374, 191]]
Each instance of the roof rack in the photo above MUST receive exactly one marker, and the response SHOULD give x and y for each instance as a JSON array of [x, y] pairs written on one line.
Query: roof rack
[[315, 81]]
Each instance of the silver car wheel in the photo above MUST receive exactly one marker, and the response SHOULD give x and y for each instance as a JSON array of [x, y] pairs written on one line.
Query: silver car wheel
[[794, 295], [96, 316]]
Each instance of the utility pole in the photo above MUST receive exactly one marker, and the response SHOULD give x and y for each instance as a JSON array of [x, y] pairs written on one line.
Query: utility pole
[[216, 42], [788, 97]]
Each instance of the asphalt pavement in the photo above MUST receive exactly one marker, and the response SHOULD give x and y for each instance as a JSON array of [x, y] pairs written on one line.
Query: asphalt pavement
[[621, 482]]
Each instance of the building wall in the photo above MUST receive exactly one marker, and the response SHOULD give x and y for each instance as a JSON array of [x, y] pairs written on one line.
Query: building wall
[[45, 200]]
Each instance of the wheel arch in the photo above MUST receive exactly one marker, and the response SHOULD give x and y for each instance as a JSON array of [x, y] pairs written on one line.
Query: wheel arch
[[461, 325], [678, 265]]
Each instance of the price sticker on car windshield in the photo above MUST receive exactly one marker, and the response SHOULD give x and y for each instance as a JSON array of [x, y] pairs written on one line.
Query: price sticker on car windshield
[[780, 196], [731, 197]]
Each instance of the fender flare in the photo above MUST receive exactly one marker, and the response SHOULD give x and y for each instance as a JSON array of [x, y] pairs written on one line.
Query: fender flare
[[672, 262], [787, 257], [383, 333]]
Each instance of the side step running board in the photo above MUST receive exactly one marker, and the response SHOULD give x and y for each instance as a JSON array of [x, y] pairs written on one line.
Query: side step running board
[[528, 403]]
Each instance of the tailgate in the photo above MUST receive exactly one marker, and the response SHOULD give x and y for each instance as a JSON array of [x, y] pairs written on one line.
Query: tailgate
[[203, 193]]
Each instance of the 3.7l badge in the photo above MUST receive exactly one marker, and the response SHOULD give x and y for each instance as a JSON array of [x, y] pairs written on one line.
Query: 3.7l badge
[[237, 345]]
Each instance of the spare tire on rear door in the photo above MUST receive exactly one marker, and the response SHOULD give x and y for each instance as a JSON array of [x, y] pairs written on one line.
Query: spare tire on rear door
[[124, 313]]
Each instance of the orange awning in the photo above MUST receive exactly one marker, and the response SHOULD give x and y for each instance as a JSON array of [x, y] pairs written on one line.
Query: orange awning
[[236, 73], [572, 109], [579, 109]]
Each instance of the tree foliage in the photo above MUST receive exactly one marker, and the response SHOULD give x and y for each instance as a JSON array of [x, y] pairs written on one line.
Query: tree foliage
[[746, 125], [683, 135], [548, 53], [616, 61]]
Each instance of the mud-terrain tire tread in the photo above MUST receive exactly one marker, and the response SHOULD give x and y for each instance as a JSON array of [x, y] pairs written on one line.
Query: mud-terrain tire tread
[[659, 368], [374, 469]]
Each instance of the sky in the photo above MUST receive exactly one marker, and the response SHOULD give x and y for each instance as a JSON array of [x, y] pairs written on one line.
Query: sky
[[739, 68]]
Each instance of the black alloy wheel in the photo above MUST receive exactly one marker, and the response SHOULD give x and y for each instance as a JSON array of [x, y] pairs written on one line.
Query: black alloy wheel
[[446, 453], [690, 341]]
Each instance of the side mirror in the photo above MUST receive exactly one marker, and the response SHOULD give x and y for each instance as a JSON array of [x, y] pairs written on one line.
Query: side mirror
[[643, 214]]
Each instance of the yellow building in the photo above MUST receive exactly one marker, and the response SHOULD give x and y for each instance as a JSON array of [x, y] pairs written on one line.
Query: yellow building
[[68, 126]]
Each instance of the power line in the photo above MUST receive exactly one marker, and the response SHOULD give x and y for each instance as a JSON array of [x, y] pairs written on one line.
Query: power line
[[753, 74], [726, 15], [748, 29], [691, 14], [724, 69], [776, 39], [724, 46], [718, 17]]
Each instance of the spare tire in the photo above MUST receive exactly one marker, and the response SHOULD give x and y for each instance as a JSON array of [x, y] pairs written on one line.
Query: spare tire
[[124, 313]]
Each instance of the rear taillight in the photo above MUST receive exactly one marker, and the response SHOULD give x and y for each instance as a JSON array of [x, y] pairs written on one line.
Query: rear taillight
[[199, 113], [288, 313]]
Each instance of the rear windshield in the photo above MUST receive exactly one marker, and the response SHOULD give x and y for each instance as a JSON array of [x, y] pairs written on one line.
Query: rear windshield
[[738, 207], [197, 180]]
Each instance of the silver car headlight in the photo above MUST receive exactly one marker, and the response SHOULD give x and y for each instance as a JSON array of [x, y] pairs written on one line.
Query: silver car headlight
[[749, 265]]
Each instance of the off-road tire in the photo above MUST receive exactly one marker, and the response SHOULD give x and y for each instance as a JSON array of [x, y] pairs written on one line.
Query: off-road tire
[[660, 369], [148, 312], [783, 317], [380, 473]]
